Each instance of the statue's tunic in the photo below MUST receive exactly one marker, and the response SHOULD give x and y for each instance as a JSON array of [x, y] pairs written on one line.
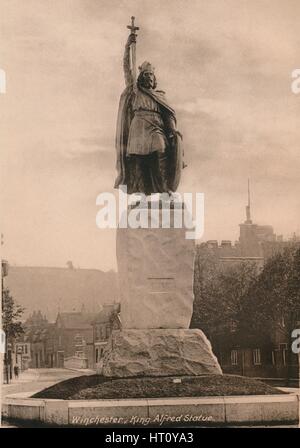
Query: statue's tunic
[[146, 133]]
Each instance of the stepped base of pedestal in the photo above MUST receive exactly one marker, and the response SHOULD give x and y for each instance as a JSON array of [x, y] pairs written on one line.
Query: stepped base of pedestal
[[158, 352]]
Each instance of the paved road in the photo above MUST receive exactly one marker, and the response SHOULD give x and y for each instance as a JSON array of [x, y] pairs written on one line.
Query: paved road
[[33, 380], [38, 379]]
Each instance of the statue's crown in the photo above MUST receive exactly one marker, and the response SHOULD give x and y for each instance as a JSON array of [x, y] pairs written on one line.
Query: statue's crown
[[146, 67]]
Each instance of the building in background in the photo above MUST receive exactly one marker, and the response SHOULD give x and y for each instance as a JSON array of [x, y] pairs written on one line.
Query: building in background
[[73, 336], [107, 320], [31, 345], [256, 243], [68, 342], [23, 351], [270, 358]]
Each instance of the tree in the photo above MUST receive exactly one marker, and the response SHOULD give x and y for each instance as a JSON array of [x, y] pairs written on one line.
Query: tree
[[11, 315], [219, 292], [273, 299], [11, 323]]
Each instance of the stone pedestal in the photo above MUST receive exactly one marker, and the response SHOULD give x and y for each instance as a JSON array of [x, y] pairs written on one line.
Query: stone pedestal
[[159, 353], [156, 269]]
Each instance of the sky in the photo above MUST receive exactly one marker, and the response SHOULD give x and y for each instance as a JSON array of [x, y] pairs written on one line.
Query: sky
[[226, 67]]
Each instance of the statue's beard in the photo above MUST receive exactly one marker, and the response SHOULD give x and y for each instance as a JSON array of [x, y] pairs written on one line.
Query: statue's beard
[[148, 83]]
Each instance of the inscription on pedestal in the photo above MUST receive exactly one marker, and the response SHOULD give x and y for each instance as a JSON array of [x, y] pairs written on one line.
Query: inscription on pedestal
[[161, 285]]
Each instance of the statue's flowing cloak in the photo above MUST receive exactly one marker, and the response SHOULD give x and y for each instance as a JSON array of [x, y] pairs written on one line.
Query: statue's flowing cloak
[[125, 116]]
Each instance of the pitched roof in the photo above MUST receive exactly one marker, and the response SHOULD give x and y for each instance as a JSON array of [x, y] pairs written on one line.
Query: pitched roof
[[76, 321], [106, 314]]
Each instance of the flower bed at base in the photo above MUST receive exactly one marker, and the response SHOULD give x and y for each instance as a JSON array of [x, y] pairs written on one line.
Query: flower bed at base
[[98, 387]]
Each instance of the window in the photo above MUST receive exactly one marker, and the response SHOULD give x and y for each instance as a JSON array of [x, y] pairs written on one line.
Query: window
[[107, 332], [97, 355], [284, 357], [234, 357], [256, 357], [78, 339], [233, 326], [273, 358], [283, 348]]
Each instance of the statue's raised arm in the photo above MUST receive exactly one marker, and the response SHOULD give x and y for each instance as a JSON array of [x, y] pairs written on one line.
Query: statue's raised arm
[[128, 75]]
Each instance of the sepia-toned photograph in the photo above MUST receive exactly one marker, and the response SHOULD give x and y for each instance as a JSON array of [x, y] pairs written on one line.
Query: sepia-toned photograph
[[150, 216]]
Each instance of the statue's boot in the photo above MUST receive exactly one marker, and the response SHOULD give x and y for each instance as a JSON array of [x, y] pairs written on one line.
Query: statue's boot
[[161, 173]]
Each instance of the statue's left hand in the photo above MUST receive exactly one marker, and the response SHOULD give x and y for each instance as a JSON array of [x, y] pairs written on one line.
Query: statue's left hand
[[174, 133], [179, 134]]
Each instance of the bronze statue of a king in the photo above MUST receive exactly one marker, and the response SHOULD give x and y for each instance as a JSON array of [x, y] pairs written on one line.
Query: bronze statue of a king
[[149, 151]]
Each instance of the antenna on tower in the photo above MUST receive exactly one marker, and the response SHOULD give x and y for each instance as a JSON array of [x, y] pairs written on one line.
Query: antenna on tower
[[248, 207], [249, 192]]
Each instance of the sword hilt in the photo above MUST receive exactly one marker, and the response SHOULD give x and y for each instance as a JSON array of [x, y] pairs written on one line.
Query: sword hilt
[[132, 27]]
